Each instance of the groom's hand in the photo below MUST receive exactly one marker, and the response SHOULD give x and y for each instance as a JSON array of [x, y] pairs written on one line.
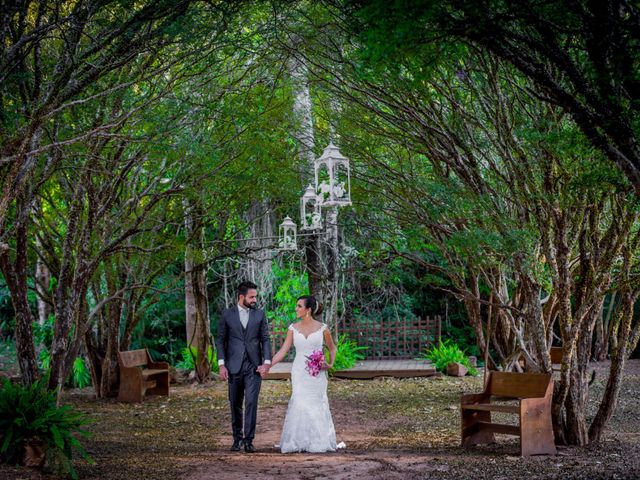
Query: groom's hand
[[263, 370], [224, 373]]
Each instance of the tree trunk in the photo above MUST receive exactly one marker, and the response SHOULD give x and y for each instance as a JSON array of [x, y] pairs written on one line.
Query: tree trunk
[[333, 252], [303, 113], [95, 361], [601, 343], [257, 265], [43, 279], [109, 369], [15, 274], [195, 287], [70, 294], [625, 341], [614, 382]]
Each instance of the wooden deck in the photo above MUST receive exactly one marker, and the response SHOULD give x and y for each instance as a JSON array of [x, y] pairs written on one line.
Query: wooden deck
[[370, 369]]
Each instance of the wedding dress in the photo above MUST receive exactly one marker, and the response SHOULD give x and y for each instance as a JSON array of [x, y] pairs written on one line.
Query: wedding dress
[[308, 426]]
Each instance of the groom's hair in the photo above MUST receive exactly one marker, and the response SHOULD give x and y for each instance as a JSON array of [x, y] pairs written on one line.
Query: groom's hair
[[244, 288]]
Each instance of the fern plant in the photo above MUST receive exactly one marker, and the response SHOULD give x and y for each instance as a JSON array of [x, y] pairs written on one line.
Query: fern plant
[[348, 353], [30, 413], [448, 352], [189, 355], [80, 377]]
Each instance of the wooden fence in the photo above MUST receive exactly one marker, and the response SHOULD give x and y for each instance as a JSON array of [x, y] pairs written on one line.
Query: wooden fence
[[385, 339]]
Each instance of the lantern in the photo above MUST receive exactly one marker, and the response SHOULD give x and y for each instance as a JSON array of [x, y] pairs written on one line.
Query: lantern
[[310, 213], [333, 178], [287, 235]]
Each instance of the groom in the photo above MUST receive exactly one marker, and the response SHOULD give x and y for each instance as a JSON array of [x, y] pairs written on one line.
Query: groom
[[243, 343]]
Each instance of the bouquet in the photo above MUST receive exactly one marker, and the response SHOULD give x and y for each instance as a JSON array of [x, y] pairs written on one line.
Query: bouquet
[[315, 363]]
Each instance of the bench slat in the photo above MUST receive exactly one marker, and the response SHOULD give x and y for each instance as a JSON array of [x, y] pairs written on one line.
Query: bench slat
[[499, 428], [148, 372], [492, 407]]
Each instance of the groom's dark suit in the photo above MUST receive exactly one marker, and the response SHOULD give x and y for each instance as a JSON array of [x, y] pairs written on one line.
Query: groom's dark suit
[[243, 350]]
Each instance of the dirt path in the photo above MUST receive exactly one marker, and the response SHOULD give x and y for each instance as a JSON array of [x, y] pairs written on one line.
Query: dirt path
[[393, 429]]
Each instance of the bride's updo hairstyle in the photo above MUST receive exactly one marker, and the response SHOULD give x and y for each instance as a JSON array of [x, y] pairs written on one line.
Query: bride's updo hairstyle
[[311, 302]]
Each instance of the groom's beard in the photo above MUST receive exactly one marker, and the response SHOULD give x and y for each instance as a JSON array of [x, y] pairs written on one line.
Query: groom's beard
[[252, 306]]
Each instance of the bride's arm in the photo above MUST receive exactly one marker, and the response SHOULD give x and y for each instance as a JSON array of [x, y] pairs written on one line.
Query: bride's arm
[[331, 346], [284, 349]]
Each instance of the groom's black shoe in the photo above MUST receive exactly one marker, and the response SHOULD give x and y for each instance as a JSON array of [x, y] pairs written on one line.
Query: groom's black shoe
[[237, 445], [248, 447]]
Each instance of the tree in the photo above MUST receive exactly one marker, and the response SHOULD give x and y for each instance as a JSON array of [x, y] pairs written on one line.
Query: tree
[[464, 150], [52, 60], [582, 56]]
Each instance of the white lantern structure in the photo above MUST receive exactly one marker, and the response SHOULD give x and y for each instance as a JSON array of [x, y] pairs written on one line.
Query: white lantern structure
[[287, 236], [333, 178], [310, 213]]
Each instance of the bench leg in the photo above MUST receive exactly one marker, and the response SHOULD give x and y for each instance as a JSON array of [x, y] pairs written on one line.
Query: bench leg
[[130, 392], [472, 433], [536, 430]]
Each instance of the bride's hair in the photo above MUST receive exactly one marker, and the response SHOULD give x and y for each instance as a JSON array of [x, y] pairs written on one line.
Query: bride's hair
[[311, 302]]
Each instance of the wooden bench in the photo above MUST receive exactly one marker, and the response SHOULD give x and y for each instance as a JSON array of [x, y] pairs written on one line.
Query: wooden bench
[[533, 393], [140, 375]]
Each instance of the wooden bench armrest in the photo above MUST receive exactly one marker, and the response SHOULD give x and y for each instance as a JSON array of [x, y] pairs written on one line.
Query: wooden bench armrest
[[157, 365], [470, 398], [537, 402]]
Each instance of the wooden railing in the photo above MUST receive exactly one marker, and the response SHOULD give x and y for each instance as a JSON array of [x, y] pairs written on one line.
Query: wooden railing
[[384, 339]]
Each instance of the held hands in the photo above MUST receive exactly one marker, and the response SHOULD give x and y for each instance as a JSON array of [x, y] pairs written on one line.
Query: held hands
[[263, 370]]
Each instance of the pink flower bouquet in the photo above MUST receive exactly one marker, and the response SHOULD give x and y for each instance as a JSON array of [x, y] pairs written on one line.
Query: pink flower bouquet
[[315, 363]]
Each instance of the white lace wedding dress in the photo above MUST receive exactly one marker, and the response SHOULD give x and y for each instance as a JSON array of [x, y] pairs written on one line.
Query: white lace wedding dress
[[308, 426]]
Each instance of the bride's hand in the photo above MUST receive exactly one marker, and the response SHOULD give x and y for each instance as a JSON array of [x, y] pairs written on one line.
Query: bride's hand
[[327, 366]]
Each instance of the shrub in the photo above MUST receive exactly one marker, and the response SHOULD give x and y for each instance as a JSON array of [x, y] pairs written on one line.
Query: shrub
[[347, 355], [189, 355], [448, 352], [29, 414]]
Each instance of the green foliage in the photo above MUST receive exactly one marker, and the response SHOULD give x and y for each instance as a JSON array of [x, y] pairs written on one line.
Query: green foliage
[[7, 317], [80, 377], [43, 333], [448, 352], [44, 360], [289, 285], [189, 356], [31, 413], [349, 352], [8, 358], [463, 335], [161, 329]]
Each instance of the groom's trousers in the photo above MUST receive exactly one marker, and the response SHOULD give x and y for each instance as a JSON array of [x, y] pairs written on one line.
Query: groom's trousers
[[244, 386]]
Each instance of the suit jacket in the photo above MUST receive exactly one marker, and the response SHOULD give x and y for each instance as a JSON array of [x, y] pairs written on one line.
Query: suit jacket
[[233, 340]]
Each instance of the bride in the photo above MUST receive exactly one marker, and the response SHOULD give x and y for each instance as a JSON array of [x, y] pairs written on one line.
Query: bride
[[308, 426]]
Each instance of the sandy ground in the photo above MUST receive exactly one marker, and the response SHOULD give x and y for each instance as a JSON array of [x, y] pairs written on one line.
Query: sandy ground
[[393, 429]]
